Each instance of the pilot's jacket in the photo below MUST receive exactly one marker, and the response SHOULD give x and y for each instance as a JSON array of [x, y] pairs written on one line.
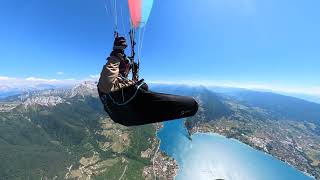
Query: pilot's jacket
[[110, 78]]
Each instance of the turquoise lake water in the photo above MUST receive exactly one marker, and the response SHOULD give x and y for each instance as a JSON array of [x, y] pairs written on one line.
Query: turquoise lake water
[[210, 156]]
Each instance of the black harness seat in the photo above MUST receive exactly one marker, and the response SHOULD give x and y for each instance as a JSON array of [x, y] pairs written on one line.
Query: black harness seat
[[136, 105]]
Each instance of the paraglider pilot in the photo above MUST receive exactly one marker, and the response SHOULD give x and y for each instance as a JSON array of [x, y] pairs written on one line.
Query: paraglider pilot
[[130, 102]]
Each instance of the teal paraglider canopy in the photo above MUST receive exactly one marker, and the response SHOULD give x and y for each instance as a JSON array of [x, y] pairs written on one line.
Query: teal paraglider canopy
[[140, 11]]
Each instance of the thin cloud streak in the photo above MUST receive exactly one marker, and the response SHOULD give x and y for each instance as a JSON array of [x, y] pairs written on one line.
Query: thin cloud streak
[[95, 76], [14, 82], [29, 82]]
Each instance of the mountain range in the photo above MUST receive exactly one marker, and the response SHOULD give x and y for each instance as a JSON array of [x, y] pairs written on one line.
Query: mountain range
[[64, 133]]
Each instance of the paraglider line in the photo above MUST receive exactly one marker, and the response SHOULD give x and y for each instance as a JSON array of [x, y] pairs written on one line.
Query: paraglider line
[[124, 29], [139, 43], [116, 14], [142, 41]]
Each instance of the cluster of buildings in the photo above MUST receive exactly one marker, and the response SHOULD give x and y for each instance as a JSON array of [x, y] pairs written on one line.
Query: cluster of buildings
[[163, 167]]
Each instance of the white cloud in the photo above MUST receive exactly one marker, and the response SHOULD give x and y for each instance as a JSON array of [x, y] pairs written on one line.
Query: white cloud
[[96, 76], [4, 78], [33, 79], [31, 82], [60, 73]]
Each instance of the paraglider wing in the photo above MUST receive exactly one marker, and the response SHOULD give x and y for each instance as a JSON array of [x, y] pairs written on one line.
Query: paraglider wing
[[140, 11]]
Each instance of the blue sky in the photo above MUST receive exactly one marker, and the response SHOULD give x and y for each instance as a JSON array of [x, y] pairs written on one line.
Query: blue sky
[[245, 43]]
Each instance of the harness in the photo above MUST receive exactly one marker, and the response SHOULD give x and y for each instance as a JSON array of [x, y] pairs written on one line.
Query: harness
[[123, 97], [109, 100]]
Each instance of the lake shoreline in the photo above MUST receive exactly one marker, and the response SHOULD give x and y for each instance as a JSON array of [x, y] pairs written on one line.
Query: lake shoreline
[[211, 155], [160, 160], [205, 130]]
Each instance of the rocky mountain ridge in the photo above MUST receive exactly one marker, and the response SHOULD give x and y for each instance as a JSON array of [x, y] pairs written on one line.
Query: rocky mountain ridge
[[50, 97]]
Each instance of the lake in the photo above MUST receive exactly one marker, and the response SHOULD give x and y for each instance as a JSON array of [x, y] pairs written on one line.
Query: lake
[[210, 156]]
